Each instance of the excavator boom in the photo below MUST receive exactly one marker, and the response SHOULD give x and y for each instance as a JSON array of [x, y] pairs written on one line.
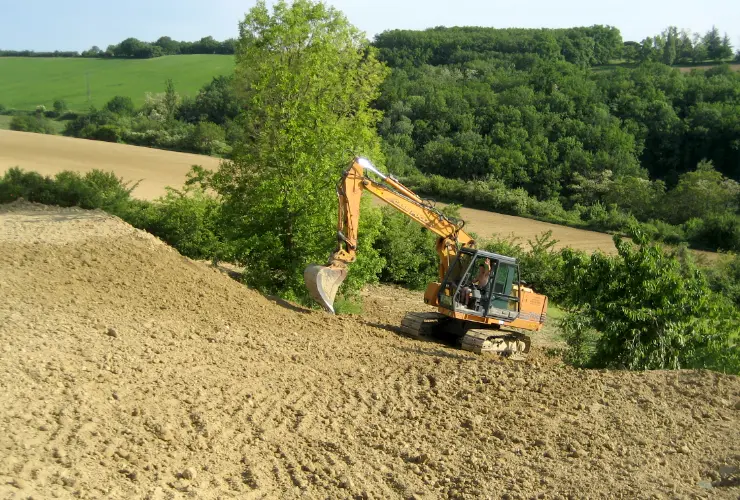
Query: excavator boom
[[323, 281]]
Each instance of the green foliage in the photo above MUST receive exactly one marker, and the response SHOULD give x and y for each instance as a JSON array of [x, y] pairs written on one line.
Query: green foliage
[[724, 279], [188, 220], [208, 138], [31, 123], [581, 339], [121, 105], [651, 311], [408, 250], [95, 189], [217, 102], [60, 106], [304, 118]]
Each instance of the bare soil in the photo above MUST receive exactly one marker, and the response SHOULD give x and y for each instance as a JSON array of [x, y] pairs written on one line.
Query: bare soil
[[128, 371], [50, 154]]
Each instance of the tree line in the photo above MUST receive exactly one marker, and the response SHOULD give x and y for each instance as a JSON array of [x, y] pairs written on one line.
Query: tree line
[[680, 47], [132, 48]]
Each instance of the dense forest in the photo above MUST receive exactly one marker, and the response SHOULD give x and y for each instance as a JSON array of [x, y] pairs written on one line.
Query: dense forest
[[520, 123]]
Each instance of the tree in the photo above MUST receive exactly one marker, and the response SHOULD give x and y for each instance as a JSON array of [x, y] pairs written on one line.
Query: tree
[[684, 47], [725, 51], [216, 102], [702, 193], [713, 43], [60, 106], [206, 138], [307, 77], [652, 311], [670, 49], [121, 105], [171, 100]]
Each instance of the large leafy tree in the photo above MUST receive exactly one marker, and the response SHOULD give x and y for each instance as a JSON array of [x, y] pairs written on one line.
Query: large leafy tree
[[307, 78]]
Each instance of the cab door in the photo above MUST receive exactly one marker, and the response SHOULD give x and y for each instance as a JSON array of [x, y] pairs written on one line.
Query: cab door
[[502, 302]]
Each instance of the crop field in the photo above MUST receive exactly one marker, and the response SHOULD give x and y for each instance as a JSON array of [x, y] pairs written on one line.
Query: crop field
[[27, 82]]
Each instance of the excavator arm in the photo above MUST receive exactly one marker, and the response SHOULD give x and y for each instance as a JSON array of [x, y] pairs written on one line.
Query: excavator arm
[[323, 281]]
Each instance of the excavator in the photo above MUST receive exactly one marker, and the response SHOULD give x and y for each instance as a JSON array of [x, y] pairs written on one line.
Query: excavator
[[480, 299]]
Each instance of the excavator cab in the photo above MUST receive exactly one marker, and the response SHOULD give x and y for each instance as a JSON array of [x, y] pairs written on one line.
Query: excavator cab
[[483, 285]]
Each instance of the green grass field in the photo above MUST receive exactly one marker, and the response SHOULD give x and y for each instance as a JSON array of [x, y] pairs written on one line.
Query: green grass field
[[26, 82]]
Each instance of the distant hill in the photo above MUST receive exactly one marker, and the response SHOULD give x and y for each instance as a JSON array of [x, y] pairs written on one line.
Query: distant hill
[[31, 81]]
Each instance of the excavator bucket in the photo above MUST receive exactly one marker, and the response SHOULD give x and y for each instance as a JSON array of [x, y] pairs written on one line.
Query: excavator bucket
[[323, 282]]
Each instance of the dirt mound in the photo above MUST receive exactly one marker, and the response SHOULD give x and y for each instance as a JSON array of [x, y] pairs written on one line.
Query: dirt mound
[[128, 371]]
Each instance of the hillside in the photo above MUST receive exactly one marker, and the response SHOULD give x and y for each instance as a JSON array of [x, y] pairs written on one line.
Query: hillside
[[168, 379], [30, 81]]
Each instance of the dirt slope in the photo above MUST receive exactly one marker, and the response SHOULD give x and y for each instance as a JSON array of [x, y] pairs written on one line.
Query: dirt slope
[[127, 371]]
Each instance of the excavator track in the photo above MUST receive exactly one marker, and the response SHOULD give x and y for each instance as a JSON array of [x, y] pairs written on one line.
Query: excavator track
[[421, 325], [482, 341]]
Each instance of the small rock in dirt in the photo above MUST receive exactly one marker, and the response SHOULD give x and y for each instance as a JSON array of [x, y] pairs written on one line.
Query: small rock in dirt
[[346, 483], [189, 474], [112, 332], [707, 485]]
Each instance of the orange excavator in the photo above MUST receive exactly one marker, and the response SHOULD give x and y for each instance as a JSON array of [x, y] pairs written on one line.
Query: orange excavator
[[479, 296]]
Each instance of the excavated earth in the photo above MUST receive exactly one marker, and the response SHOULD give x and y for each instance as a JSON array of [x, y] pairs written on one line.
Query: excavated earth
[[128, 371]]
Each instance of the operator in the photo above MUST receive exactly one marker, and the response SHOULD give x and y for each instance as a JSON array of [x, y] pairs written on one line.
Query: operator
[[484, 274], [480, 281]]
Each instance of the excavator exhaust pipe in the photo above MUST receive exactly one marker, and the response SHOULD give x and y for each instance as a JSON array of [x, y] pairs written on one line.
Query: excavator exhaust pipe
[[323, 283]]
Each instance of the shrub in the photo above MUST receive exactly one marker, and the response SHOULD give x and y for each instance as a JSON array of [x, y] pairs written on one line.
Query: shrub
[[2, 109], [60, 106], [107, 133], [651, 311], [207, 138], [121, 105], [31, 123], [408, 251], [187, 220]]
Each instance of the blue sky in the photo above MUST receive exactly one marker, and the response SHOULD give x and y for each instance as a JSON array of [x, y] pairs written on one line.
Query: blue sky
[[79, 24]]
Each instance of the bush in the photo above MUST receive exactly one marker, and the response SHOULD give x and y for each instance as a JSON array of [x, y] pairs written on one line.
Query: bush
[[121, 105], [2, 109], [408, 250], [207, 138], [651, 311], [95, 189], [107, 133], [718, 231], [188, 220], [60, 106], [31, 123]]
